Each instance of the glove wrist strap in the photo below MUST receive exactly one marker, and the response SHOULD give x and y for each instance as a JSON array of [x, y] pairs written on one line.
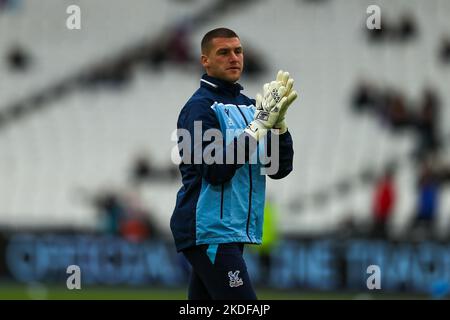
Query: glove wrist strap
[[256, 130], [281, 128]]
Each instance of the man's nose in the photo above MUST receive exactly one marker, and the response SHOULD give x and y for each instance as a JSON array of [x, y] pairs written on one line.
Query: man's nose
[[233, 57]]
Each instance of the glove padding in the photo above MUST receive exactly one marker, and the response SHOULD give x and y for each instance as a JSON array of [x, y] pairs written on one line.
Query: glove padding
[[268, 107], [286, 81]]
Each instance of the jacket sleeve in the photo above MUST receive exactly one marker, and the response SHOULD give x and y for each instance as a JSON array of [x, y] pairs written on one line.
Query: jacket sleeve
[[286, 154], [200, 112]]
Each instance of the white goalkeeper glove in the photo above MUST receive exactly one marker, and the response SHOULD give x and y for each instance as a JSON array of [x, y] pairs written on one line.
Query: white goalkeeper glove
[[286, 81], [268, 108]]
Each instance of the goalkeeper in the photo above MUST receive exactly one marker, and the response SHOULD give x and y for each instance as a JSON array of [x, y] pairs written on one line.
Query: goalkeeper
[[219, 207]]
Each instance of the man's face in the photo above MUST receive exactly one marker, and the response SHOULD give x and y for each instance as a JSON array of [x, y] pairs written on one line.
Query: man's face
[[225, 59]]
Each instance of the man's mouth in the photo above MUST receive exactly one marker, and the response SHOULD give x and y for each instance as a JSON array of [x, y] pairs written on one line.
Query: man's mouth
[[234, 68]]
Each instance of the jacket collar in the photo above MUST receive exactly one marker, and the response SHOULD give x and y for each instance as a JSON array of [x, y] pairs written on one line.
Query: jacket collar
[[220, 85]]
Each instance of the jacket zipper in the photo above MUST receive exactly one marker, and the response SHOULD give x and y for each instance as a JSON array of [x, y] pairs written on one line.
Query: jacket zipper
[[251, 182]]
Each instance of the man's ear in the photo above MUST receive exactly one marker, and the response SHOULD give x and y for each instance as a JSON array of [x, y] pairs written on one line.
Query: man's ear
[[204, 61]]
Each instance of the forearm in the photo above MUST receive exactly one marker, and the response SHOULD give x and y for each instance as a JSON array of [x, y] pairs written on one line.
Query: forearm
[[284, 153]]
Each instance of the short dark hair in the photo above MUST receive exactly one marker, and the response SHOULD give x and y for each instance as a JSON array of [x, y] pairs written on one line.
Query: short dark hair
[[216, 33]]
